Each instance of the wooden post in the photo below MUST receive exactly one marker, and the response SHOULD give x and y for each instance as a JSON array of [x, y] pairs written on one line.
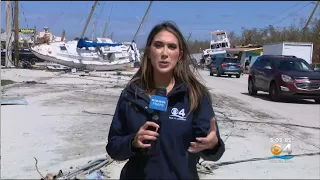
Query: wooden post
[[9, 39], [35, 35], [16, 33], [311, 15], [309, 20]]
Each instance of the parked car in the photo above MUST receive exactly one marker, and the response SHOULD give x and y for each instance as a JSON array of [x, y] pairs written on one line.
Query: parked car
[[284, 76], [226, 66]]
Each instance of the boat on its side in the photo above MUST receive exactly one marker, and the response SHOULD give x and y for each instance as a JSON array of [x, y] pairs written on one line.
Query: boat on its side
[[102, 55]]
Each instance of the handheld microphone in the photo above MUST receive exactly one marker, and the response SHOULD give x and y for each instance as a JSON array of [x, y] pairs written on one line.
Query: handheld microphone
[[158, 102]]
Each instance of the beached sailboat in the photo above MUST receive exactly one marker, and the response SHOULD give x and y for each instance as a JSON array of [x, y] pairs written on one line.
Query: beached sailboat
[[100, 55], [88, 55]]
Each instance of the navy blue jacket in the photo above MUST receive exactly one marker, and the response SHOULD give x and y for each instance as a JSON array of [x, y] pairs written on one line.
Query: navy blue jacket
[[171, 159]]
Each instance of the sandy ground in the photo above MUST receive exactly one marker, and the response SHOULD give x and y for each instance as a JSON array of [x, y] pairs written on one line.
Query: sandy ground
[[54, 128]]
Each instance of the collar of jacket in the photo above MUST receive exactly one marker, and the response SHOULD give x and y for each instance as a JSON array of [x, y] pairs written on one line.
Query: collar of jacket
[[137, 92], [136, 95]]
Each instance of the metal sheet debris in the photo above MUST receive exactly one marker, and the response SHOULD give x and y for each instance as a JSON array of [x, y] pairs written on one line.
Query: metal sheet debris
[[14, 102]]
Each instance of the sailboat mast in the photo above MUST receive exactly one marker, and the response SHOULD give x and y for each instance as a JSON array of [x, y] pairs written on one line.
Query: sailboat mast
[[104, 30], [63, 35], [145, 14], [111, 36], [88, 20], [93, 28]]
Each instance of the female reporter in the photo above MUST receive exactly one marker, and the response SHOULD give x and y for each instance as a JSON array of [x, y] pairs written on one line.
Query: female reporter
[[187, 129]]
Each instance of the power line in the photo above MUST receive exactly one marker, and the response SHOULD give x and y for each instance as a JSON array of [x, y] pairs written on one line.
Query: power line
[[70, 2], [109, 18], [25, 18], [107, 22], [287, 9], [292, 14], [110, 13], [97, 18]]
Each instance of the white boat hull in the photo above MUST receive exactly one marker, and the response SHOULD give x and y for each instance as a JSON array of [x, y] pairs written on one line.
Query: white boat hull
[[82, 58], [79, 65]]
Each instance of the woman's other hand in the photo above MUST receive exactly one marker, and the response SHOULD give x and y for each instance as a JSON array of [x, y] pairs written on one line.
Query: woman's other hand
[[208, 142], [144, 134]]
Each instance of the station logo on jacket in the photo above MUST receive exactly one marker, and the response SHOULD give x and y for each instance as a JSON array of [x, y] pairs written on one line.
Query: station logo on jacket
[[177, 114]]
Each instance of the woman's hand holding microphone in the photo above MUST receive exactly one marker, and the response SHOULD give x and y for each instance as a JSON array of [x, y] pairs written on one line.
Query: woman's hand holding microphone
[[144, 134]]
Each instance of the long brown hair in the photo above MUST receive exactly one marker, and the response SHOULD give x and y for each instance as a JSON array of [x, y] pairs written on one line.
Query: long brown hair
[[144, 76]]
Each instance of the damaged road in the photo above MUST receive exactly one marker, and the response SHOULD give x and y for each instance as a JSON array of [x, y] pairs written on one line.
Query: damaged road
[[66, 123]]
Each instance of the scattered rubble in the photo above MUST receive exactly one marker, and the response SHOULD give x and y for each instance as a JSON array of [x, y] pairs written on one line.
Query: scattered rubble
[[74, 112]]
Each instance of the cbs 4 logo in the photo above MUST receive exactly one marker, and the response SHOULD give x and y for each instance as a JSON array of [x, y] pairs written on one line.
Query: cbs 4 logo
[[277, 149]]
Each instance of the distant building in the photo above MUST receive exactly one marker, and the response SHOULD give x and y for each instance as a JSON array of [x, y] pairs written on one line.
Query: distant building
[[23, 39], [47, 34], [3, 40]]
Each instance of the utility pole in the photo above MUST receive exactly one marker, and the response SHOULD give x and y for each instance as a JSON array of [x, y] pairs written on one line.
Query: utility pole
[[311, 15], [8, 59], [309, 20], [16, 33], [35, 35]]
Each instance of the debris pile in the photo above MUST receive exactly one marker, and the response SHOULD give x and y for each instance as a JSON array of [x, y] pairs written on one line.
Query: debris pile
[[92, 170]]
